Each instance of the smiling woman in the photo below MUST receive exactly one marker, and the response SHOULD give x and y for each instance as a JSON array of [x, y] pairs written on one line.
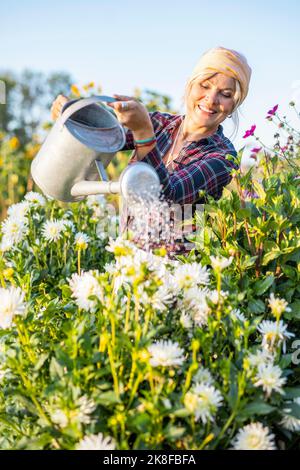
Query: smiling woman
[[189, 152]]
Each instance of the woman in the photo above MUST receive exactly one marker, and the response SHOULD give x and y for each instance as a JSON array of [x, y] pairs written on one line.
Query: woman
[[189, 152]]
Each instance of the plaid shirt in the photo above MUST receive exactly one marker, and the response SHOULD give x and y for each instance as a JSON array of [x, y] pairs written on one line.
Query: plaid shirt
[[200, 165]]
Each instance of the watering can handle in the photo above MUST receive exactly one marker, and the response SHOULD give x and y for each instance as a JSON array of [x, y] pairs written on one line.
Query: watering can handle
[[82, 103]]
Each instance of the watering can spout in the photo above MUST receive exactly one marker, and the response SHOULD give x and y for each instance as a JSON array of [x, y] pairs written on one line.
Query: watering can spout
[[88, 188]]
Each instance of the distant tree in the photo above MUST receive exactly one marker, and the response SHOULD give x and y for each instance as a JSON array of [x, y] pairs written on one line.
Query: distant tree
[[28, 99], [155, 101]]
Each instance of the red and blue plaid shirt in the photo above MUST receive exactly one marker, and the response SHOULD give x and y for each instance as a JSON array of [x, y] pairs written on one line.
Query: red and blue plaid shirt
[[200, 165]]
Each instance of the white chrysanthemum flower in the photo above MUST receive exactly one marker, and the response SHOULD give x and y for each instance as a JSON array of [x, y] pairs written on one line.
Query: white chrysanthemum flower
[[96, 442], [290, 422], [19, 210], [154, 263], [11, 304], [59, 417], [260, 357], [83, 287], [35, 198], [194, 303], [6, 244], [14, 230], [95, 201], [254, 436], [237, 314], [213, 295], [81, 241], [110, 268], [203, 375], [52, 230], [274, 333], [161, 299], [166, 353], [120, 247], [203, 401], [69, 225], [186, 321], [219, 262], [269, 378], [101, 233], [191, 274], [80, 414], [85, 407], [278, 306]]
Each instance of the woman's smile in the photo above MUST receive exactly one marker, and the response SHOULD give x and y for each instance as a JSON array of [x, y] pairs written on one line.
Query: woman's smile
[[206, 110]]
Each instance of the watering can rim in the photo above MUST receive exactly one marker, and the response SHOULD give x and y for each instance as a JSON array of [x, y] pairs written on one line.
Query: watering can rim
[[69, 109]]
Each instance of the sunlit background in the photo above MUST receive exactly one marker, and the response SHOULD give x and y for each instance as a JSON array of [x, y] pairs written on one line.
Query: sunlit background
[[155, 45]]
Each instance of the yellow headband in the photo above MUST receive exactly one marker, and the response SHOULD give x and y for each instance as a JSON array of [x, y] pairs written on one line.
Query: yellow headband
[[226, 61]]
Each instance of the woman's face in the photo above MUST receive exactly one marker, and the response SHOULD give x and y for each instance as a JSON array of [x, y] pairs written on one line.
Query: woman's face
[[209, 102]]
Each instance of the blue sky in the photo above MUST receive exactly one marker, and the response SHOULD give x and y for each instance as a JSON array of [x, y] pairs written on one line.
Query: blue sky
[[155, 45]]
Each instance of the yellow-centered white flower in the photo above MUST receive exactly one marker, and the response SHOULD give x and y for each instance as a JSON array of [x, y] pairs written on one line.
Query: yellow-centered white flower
[[203, 401], [96, 442], [254, 436], [269, 378], [219, 262], [166, 354], [11, 304]]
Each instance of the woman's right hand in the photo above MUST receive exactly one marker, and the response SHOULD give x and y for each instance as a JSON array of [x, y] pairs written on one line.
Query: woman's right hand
[[57, 106]]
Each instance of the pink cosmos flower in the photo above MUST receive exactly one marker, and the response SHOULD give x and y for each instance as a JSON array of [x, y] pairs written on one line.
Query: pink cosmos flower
[[256, 149], [249, 132], [272, 111]]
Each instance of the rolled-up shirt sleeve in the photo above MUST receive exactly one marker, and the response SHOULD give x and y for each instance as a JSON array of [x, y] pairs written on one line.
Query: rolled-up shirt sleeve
[[158, 119]]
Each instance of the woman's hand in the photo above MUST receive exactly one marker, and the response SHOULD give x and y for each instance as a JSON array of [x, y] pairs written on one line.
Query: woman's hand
[[134, 115], [57, 106]]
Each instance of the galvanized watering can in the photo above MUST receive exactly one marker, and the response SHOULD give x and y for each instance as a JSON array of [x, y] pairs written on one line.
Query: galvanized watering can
[[80, 145]]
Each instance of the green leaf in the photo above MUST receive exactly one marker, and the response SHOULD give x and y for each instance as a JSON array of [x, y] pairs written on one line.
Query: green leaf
[[259, 189], [256, 306], [108, 398], [292, 409], [261, 286], [285, 361], [257, 407], [174, 432], [295, 307], [292, 392], [55, 369], [270, 256], [142, 422], [43, 357], [248, 262], [181, 413]]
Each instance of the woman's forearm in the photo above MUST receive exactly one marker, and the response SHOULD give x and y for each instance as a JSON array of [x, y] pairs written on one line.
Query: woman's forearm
[[142, 151]]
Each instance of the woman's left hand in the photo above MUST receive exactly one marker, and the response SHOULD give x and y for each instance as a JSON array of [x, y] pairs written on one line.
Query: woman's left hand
[[133, 114]]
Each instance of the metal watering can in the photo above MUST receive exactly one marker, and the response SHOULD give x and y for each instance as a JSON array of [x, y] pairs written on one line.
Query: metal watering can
[[80, 145]]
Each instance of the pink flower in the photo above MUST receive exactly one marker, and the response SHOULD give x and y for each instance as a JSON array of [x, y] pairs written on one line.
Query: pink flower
[[272, 111], [256, 149], [249, 132]]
